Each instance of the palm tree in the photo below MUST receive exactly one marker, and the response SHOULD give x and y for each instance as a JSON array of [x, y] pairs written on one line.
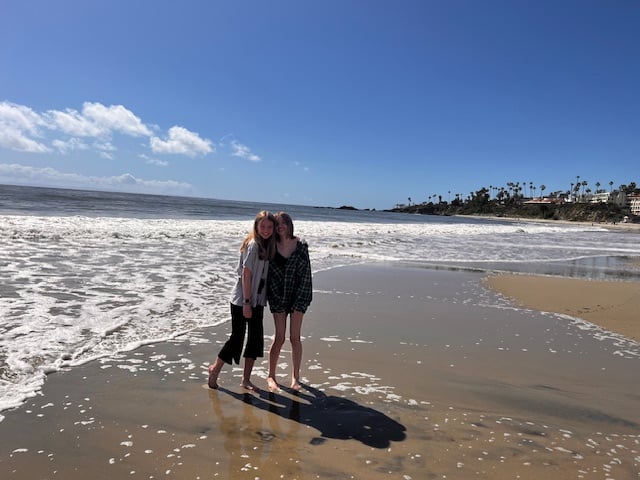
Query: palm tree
[[610, 186], [542, 189]]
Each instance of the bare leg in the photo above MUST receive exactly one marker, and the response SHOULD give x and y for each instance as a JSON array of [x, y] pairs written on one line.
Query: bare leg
[[280, 324], [246, 374], [295, 329], [214, 371]]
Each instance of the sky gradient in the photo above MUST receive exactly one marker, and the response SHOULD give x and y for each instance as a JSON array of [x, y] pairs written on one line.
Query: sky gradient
[[331, 103]]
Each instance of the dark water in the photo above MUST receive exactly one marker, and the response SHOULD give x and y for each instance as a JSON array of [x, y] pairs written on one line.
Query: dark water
[[42, 201]]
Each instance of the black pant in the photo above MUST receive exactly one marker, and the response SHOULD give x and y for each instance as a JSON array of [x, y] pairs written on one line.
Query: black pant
[[255, 339]]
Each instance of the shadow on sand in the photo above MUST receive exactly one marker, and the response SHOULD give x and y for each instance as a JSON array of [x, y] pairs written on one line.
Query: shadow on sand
[[334, 417]]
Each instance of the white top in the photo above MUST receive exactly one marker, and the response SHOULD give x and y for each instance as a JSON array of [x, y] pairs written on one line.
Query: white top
[[259, 269]]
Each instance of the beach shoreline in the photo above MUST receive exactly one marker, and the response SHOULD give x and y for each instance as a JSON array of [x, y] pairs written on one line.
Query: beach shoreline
[[408, 373], [620, 226], [612, 305]]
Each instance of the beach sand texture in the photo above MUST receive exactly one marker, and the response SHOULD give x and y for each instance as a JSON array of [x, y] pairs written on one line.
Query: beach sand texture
[[409, 374], [613, 305]]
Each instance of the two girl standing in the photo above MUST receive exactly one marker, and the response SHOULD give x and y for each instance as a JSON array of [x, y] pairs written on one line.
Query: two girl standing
[[277, 269]]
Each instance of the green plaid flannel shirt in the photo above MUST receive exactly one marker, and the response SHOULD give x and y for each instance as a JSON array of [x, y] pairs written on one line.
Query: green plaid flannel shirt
[[289, 286]]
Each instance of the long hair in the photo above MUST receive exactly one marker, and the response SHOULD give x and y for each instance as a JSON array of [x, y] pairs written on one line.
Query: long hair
[[266, 248], [286, 219]]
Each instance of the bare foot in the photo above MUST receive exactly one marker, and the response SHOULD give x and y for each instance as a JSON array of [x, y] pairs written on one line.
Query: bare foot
[[213, 377], [295, 385], [272, 384], [250, 386]]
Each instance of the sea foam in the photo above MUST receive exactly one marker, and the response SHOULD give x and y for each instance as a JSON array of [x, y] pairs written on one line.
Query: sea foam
[[76, 288]]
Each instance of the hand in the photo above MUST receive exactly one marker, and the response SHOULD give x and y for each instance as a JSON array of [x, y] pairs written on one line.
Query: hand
[[247, 311]]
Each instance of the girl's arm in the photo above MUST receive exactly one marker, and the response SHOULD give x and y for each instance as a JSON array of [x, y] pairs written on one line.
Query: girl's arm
[[304, 288]]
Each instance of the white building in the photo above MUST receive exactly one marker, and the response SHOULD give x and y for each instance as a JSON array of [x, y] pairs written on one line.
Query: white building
[[601, 197], [634, 204]]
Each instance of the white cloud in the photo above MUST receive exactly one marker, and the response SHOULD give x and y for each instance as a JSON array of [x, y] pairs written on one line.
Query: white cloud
[[105, 149], [69, 145], [18, 126], [22, 129], [105, 146], [74, 123], [97, 120], [22, 174], [20, 117], [19, 142], [115, 118], [181, 141], [242, 151], [158, 163], [15, 173], [154, 161]]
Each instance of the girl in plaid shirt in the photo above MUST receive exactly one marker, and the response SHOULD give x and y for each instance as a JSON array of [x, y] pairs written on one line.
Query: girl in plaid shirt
[[289, 290]]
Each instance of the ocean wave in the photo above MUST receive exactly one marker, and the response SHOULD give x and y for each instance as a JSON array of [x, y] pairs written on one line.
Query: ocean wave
[[76, 288]]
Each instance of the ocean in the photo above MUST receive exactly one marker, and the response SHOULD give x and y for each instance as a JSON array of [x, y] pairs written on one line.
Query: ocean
[[86, 275]]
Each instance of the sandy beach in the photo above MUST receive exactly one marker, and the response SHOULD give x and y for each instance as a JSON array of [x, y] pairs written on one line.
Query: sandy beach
[[627, 227], [408, 373], [612, 305]]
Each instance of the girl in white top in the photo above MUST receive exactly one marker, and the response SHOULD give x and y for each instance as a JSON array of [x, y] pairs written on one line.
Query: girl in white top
[[248, 298]]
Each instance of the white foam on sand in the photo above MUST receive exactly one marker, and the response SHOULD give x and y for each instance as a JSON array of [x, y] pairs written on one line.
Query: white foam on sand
[[76, 289]]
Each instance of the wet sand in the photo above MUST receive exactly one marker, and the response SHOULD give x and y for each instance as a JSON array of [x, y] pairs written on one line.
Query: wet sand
[[619, 226], [612, 305], [409, 374]]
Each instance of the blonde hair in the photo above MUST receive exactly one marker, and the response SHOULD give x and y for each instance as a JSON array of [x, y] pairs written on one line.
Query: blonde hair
[[266, 248]]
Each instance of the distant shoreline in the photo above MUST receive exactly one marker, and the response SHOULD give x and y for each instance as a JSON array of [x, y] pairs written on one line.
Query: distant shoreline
[[569, 211], [629, 227]]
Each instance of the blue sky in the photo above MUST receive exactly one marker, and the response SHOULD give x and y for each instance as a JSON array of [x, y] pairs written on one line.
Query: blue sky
[[330, 103]]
